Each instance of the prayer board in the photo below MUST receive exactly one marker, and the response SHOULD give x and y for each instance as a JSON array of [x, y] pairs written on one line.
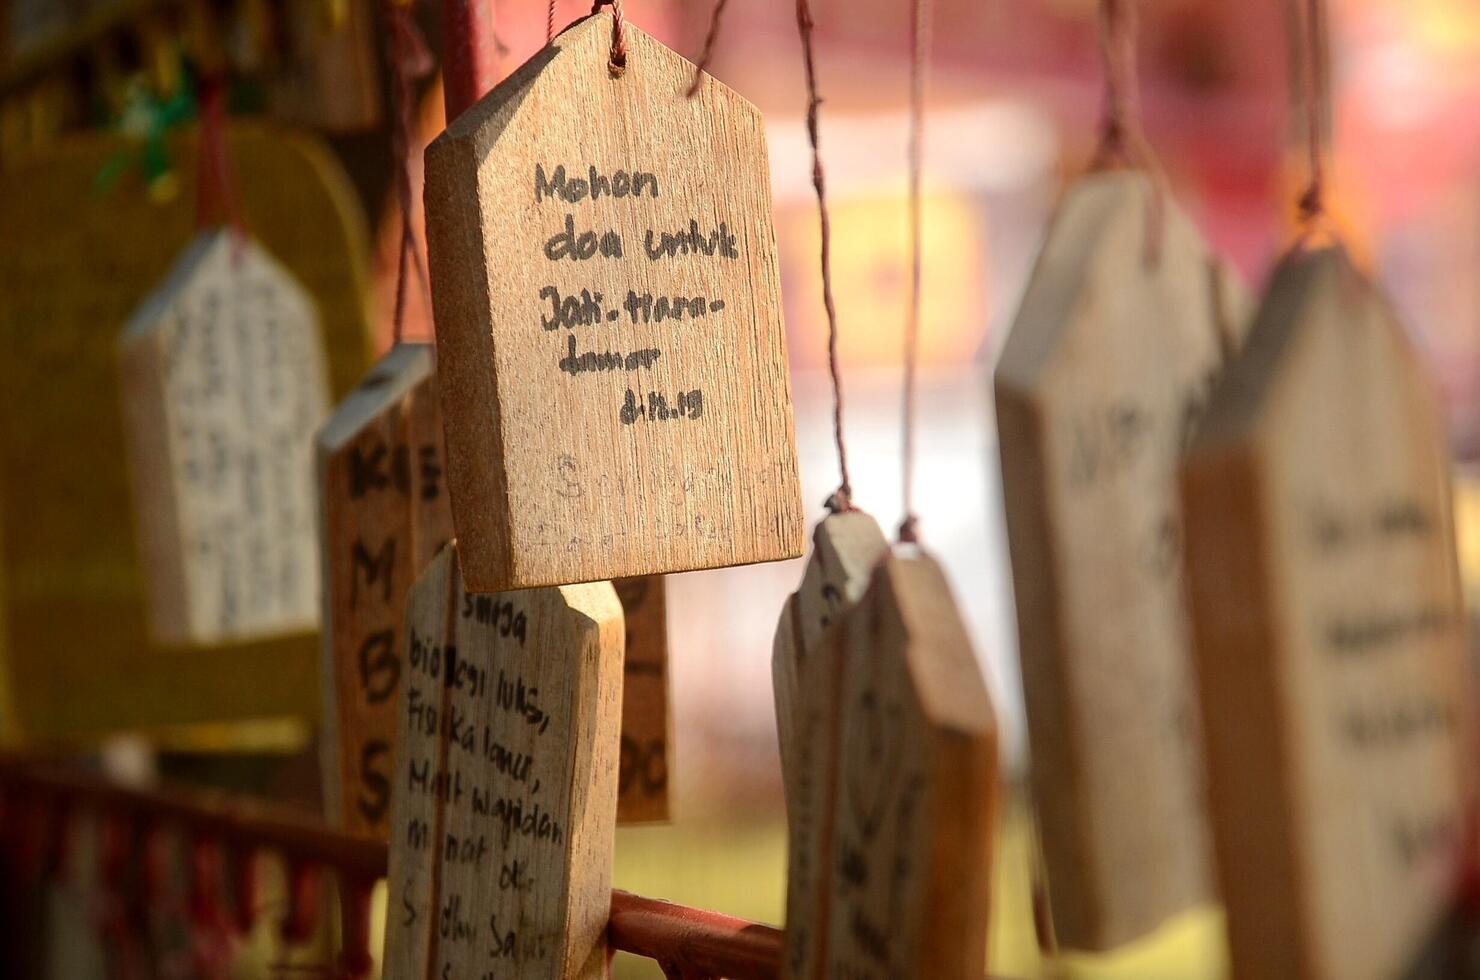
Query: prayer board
[[74, 264], [912, 769], [506, 781], [384, 518], [1112, 356], [642, 783], [617, 400], [1331, 638], [846, 547], [223, 379]]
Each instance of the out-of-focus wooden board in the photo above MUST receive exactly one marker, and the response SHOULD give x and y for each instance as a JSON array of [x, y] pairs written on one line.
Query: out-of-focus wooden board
[[643, 785], [845, 549], [1331, 636], [223, 370], [1109, 363], [384, 517], [506, 781], [74, 263], [907, 854], [608, 310]]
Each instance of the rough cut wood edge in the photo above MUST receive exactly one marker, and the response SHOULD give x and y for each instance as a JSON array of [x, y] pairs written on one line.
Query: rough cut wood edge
[[462, 266]]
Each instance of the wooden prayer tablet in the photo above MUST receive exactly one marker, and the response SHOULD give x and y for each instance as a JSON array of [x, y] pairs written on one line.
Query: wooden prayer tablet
[[912, 767], [1110, 361], [1331, 636], [74, 265], [223, 382], [845, 548], [604, 280], [384, 518], [505, 796], [642, 781]]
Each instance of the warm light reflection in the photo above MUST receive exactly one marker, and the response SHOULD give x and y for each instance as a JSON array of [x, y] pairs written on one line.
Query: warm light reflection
[[871, 278]]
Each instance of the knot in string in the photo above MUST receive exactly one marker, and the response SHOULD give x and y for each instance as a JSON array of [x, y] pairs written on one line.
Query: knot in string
[[617, 63], [840, 501], [1311, 205], [909, 530]]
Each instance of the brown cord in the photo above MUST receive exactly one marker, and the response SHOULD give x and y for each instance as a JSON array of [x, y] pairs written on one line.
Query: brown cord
[[842, 499], [708, 53], [919, 63], [1123, 140], [217, 200], [617, 63], [410, 60], [1311, 204], [550, 22]]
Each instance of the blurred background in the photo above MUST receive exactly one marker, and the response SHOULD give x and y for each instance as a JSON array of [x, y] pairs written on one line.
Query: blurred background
[[1013, 105]]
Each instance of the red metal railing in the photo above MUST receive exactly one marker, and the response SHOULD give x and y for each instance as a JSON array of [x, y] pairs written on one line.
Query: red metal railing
[[38, 801]]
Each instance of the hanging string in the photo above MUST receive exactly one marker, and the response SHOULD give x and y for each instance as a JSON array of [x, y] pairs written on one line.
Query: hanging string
[[842, 498], [1123, 140], [550, 22], [708, 53], [217, 200], [1312, 203], [617, 64], [410, 60], [919, 62]]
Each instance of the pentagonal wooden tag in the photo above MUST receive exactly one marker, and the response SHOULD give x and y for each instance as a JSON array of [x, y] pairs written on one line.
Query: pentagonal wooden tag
[[647, 728], [604, 277], [1331, 635], [1109, 362], [223, 380], [906, 853], [846, 547], [73, 268], [505, 793], [384, 517]]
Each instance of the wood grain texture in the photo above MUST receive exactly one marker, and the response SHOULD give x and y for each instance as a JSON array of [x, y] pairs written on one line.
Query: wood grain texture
[[1109, 363], [643, 793], [223, 377], [610, 415], [1330, 634], [845, 549], [907, 856], [384, 517], [506, 781], [74, 265]]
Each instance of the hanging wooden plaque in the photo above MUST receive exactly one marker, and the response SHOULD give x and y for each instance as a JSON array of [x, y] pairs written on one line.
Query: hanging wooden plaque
[[907, 853], [384, 518], [1112, 356], [845, 548], [1331, 636], [73, 269], [609, 320], [505, 795], [642, 782], [223, 379]]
